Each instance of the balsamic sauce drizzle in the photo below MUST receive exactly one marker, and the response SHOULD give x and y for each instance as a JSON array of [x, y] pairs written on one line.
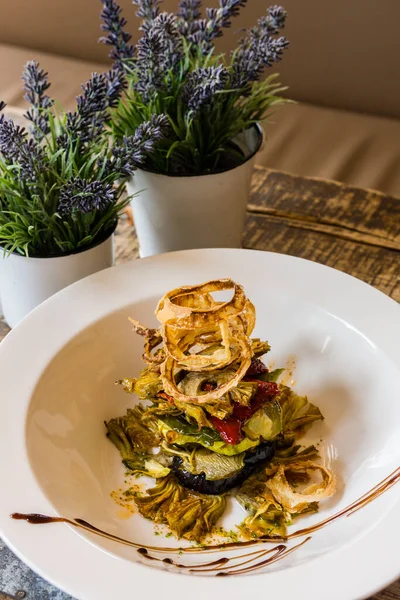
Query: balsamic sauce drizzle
[[224, 566]]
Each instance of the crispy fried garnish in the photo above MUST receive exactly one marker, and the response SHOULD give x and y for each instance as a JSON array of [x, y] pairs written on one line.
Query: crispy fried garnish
[[152, 354], [203, 335], [281, 485]]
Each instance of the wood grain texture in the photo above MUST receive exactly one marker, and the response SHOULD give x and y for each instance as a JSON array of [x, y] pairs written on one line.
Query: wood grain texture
[[354, 230], [126, 246], [375, 265], [362, 215]]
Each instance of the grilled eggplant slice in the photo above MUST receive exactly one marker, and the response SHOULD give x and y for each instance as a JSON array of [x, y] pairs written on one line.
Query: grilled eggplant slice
[[253, 461]]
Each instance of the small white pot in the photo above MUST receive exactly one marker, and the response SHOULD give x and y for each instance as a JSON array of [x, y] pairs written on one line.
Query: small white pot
[[206, 211], [26, 282]]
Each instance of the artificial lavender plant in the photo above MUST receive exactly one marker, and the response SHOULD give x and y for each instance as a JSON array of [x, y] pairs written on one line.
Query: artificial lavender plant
[[61, 186], [209, 98]]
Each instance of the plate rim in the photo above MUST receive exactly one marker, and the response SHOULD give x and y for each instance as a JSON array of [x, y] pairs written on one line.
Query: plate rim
[[33, 323]]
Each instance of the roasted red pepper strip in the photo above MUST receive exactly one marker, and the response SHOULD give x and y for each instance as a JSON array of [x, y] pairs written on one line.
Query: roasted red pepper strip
[[229, 429], [256, 367], [266, 391]]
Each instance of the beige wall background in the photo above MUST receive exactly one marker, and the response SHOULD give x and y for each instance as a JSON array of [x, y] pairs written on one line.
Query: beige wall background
[[344, 53]]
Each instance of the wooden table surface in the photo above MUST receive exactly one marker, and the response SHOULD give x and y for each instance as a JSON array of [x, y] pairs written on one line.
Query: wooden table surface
[[354, 230]]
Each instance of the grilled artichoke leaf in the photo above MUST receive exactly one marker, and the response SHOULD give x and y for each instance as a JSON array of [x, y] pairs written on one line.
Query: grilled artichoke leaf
[[297, 413], [188, 515], [266, 423], [134, 435]]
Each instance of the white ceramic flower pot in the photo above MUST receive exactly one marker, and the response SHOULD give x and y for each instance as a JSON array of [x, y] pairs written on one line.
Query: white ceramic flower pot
[[26, 282], [207, 211]]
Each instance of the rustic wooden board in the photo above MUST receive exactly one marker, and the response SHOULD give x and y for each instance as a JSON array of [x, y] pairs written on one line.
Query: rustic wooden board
[[352, 213], [126, 246], [376, 265], [354, 230]]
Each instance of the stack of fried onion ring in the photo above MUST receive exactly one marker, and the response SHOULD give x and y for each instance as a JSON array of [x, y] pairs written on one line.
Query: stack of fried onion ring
[[202, 334]]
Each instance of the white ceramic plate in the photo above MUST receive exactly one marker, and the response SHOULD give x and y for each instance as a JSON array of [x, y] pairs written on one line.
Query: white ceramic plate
[[57, 370]]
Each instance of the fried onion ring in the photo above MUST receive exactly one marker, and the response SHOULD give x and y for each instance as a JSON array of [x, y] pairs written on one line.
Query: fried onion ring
[[215, 349], [190, 307], [200, 334], [295, 502], [169, 367]]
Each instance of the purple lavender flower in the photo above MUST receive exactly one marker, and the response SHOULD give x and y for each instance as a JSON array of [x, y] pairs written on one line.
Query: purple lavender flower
[[100, 93], [17, 149], [259, 50], [221, 17], [35, 86], [94, 97], [271, 24], [80, 195], [189, 14], [115, 84], [252, 59], [150, 56], [217, 18], [201, 86], [159, 51], [2, 105], [171, 38], [132, 151], [148, 9], [189, 10], [12, 137], [88, 120], [113, 23], [277, 15], [35, 83]]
